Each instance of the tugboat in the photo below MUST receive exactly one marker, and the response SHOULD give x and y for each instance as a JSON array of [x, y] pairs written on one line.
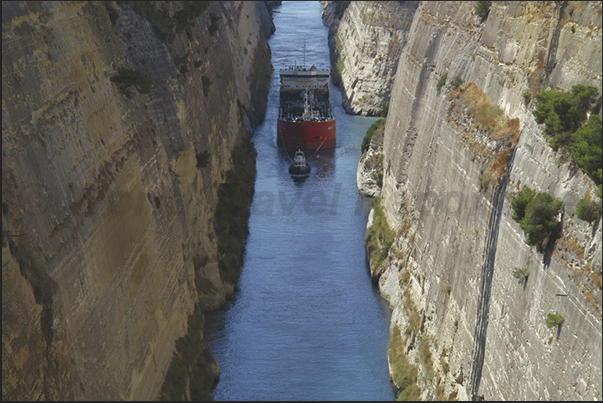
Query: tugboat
[[299, 167], [305, 118]]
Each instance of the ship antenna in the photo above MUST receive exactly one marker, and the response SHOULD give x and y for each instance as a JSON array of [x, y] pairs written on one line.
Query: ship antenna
[[304, 53]]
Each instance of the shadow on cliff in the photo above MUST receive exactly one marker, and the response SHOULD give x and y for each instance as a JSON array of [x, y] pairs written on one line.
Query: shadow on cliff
[[487, 271], [550, 245]]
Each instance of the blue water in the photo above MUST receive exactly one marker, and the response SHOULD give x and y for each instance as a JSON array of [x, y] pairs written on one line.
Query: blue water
[[306, 322]]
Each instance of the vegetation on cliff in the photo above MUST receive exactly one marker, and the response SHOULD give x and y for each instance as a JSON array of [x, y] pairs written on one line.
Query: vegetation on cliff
[[404, 374], [553, 320], [379, 239], [482, 9], [491, 135], [521, 274], [537, 215], [369, 134], [442, 81], [588, 210], [568, 127]]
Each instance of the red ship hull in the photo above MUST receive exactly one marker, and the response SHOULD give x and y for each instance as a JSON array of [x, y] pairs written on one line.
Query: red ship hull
[[306, 135]]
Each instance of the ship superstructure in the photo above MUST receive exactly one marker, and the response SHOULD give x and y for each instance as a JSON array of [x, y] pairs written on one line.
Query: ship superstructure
[[305, 120]]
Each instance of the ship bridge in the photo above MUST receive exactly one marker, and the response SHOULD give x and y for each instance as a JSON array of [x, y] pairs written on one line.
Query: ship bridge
[[299, 78]]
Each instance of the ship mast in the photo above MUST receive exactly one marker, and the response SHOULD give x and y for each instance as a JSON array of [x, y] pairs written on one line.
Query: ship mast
[[304, 53]]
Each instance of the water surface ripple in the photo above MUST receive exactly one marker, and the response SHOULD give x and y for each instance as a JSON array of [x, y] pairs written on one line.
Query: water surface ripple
[[306, 322]]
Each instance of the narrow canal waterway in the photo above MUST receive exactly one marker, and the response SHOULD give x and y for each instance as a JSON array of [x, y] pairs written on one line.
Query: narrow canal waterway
[[306, 322]]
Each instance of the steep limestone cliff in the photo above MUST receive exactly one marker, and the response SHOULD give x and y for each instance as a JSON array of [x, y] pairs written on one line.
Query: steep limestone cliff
[[109, 191], [365, 40], [458, 311]]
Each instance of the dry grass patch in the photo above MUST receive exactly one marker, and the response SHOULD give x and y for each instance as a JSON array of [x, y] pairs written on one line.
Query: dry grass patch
[[589, 297], [375, 161], [412, 314], [570, 244], [425, 357], [596, 279], [404, 277], [490, 135]]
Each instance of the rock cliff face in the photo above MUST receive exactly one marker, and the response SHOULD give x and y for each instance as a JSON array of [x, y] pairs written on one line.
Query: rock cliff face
[[365, 39], [458, 309], [109, 194]]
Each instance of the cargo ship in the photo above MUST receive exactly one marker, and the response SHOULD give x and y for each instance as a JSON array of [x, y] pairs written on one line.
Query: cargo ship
[[305, 120]]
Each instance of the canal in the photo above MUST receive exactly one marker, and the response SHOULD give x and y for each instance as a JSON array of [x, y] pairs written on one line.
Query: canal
[[306, 322]]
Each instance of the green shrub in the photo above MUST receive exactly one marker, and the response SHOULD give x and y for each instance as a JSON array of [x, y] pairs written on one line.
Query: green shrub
[[586, 148], [520, 202], [366, 141], [458, 81], [553, 320], [588, 210], [442, 81], [563, 113], [127, 77], [379, 237], [482, 9], [404, 374], [537, 215], [541, 219], [521, 274]]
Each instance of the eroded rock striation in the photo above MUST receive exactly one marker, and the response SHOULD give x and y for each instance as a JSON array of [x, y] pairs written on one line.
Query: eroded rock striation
[[365, 40], [118, 123], [448, 181]]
